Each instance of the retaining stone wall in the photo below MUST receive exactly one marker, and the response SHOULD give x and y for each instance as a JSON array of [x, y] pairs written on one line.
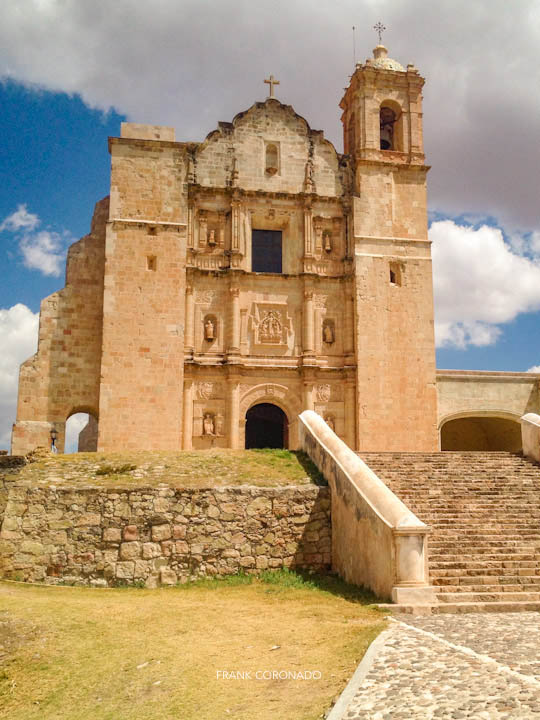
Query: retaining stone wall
[[97, 536], [9, 471]]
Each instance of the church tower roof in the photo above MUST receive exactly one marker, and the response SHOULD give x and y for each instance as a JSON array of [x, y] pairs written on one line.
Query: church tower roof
[[381, 61]]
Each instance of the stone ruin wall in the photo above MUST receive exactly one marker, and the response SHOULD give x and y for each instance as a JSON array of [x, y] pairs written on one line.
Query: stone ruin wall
[[63, 376], [152, 536]]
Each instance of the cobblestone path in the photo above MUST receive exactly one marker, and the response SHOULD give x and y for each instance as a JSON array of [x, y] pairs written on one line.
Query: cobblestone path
[[484, 666]]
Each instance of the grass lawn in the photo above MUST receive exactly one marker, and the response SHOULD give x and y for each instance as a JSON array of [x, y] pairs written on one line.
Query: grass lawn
[[129, 654], [200, 468]]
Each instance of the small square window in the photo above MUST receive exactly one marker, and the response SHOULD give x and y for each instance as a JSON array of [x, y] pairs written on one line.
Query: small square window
[[151, 262]]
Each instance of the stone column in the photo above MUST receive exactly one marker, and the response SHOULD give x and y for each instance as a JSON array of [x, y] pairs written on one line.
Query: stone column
[[187, 443], [190, 310], [203, 229], [234, 345], [350, 414], [190, 226], [308, 231], [349, 324], [235, 226], [233, 413], [309, 344], [318, 228], [307, 396]]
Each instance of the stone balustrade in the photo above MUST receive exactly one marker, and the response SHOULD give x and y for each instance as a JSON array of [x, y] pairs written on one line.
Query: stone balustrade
[[376, 540]]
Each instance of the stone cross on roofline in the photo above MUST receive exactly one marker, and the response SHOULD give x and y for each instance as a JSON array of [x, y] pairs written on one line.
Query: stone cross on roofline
[[271, 81]]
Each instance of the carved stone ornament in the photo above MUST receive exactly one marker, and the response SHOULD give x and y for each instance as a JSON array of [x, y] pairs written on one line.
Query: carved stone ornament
[[271, 327], [323, 392], [205, 390], [204, 297]]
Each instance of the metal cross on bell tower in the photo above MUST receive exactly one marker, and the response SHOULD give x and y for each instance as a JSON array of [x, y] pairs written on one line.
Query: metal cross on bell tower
[[379, 29]]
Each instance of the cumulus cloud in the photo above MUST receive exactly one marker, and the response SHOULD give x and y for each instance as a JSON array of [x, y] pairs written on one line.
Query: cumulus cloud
[[44, 250], [193, 65], [480, 282], [21, 219], [18, 340], [534, 369]]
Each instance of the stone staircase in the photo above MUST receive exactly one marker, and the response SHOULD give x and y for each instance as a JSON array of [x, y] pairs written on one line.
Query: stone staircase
[[484, 511]]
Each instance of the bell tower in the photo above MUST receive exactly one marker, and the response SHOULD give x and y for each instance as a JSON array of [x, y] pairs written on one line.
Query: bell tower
[[395, 349]]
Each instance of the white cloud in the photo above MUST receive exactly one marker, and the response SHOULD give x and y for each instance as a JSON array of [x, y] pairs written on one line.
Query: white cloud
[[44, 250], [480, 282], [534, 369], [18, 340], [21, 219], [192, 63]]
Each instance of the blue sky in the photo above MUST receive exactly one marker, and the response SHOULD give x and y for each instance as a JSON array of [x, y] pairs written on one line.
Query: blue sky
[[69, 76]]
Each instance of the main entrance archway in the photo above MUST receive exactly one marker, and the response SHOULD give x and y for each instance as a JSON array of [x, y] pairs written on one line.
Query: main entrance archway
[[266, 427]]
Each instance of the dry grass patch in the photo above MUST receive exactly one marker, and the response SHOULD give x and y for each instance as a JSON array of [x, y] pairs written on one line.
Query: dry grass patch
[[198, 468], [130, 654]]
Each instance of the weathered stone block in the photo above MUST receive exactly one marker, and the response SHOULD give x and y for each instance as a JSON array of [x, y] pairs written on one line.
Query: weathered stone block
[[161, 532], [125, 570], [130, 550], [112, 535], [151, 550], [131, 532], [167, 576]]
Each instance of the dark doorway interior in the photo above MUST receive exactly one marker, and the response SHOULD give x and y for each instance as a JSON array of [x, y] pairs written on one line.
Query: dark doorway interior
[[266, 251], [266, 427]]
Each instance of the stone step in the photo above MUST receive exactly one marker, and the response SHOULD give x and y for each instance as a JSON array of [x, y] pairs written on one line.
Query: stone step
[[475, 574], [444, 559], [461, 607], [488, 597], [493, 586], [441, 568]]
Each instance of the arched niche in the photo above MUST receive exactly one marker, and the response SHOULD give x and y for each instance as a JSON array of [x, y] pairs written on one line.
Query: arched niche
[[391, 126], [481, 432]]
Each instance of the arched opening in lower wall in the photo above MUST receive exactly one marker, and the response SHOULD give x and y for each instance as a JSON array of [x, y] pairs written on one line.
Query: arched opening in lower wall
[[266, 427], [481, 433], [81, 433]]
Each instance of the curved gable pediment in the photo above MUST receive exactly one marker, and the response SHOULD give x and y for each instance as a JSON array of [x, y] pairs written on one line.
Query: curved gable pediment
[[269, 147]]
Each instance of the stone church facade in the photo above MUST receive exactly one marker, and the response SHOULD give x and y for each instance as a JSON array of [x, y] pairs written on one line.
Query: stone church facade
[[228, 285]]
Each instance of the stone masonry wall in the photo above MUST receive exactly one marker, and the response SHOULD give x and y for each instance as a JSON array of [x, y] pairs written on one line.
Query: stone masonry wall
[[96, 536], [9, 472]]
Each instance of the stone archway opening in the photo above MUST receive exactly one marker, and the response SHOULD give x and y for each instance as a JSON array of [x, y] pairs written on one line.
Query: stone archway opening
[[479, 433], [81, 433], [266, 427]]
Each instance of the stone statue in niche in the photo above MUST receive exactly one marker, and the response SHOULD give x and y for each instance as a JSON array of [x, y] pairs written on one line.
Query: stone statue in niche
[[209, 330], [208, 424], [212, 238], [327, 241], [329, 420], [328, 333]]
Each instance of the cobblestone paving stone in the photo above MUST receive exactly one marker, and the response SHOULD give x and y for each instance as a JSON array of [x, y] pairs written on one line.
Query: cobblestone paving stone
[[484, 666]]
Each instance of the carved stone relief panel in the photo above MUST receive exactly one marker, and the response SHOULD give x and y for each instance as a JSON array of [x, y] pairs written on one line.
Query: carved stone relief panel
[[271, 324]]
